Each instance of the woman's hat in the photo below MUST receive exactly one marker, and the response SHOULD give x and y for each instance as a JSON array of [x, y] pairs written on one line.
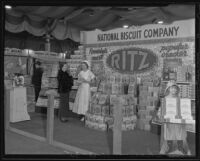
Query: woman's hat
[[170, 84], [87, 62]]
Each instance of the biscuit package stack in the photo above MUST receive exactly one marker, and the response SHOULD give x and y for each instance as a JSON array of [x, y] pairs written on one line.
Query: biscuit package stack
[[75, 61], [148, 100], [98, 110], [187, 90], [128, 105], [100, 113]]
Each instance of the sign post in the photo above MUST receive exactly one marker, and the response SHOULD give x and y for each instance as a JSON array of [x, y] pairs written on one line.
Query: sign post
[[117, 128]]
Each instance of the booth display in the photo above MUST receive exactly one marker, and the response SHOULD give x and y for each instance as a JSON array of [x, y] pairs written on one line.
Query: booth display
[[148, 102], [152, 54], [49, 78], [133, 64], [101, 106]]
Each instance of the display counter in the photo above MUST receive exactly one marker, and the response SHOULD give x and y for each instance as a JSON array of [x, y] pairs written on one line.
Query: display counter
[[17, 104]]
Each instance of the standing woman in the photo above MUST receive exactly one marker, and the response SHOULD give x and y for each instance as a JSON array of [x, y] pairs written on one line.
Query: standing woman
[[37, 79], [65, 83], [82, 99]]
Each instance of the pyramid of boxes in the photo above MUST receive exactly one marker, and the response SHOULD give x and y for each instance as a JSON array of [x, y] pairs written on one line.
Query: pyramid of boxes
[[100, 113], [75, 61], [148, 100]]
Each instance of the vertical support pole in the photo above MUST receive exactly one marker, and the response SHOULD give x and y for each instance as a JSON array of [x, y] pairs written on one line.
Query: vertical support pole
[[117, 128], [50, 119], [7, 109], [162, 136], [47, 44]]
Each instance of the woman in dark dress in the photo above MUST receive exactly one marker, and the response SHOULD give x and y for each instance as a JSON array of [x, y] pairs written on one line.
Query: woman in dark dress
[[37, 79], [65, 83]]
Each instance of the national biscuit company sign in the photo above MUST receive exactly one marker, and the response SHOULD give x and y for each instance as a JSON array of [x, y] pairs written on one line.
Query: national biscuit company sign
[[178, 29], [131, 60], [138, 34], [141, 49]]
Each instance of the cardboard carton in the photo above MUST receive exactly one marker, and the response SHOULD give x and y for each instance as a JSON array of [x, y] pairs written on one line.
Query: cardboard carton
[[105, 110]]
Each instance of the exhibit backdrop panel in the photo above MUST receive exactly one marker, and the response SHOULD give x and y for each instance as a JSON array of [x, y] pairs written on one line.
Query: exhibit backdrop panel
[[15, 64], [122, 52]]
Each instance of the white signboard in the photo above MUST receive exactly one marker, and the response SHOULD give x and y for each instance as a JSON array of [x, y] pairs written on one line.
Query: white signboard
[[171, 108], [185, 105], [178, 29]]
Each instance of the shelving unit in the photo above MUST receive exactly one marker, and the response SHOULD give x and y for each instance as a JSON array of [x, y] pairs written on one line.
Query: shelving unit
[[73, 63]]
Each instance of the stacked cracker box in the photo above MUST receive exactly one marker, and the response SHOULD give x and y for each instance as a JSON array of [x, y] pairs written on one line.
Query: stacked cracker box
[[128, 107], [98, 110], [75, 61], [100, 113], [187, 90], [192, 91], [148, 99], [181, 73], [184, 91]]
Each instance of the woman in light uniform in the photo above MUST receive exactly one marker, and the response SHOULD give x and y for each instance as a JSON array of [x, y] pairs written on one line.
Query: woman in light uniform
[[81, 104]]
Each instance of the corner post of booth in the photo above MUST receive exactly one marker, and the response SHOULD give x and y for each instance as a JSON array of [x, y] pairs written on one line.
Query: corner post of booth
[[117, 127], [7, 109], [50, 118]]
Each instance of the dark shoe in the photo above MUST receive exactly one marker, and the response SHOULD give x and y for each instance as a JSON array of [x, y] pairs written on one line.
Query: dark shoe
[[63, 119], [80, 117]]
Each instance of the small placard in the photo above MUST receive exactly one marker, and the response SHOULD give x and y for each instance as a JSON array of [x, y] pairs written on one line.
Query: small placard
[[185, 106], [171, 108]]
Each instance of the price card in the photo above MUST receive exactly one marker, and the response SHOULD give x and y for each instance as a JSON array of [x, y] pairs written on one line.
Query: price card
[[170, 108], [185, 108]]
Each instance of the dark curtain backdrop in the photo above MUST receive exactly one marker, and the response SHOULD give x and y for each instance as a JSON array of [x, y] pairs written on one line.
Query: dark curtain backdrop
[[24, 40]]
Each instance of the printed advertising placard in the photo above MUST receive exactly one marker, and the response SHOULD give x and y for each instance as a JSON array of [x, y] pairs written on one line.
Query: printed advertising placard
[[140, 51]]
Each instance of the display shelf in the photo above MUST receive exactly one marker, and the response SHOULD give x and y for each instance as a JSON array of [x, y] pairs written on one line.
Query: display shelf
[[51, 77], [179, 82], [52, 87], [74, 60]]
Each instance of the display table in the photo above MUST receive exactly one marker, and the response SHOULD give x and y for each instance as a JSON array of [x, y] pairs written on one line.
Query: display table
[[18, 104]]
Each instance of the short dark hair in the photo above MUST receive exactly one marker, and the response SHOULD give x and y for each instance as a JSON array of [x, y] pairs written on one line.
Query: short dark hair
[[38, 62]]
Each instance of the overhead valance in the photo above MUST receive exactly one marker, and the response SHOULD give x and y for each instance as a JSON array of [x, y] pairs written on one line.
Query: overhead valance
[[39, 27]]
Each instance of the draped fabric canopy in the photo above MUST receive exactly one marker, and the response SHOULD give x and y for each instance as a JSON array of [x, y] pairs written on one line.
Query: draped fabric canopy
[[64, 22]]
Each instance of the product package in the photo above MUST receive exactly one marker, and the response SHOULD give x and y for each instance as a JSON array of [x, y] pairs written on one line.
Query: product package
[[115, 88], [129, 110], [103, 99], [97, 109], [102, 127], [130, 126], [113, 99], [107, 88], [132, 88], [105, 110]]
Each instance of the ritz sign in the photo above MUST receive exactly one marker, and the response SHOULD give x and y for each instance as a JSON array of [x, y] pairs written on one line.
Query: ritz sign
[[132, 60]]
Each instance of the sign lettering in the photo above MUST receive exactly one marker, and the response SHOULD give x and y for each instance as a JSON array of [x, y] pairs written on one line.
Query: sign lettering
[[139, 34], [131, 60], [179, 50]]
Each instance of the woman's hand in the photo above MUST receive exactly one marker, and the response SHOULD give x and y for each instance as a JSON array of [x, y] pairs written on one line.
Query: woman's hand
[[85, 81]]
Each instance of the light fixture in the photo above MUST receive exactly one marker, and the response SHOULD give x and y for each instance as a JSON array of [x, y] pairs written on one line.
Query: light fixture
[[91, 13], [125, 26], [8, 7], [160, 22], [157, 21]]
